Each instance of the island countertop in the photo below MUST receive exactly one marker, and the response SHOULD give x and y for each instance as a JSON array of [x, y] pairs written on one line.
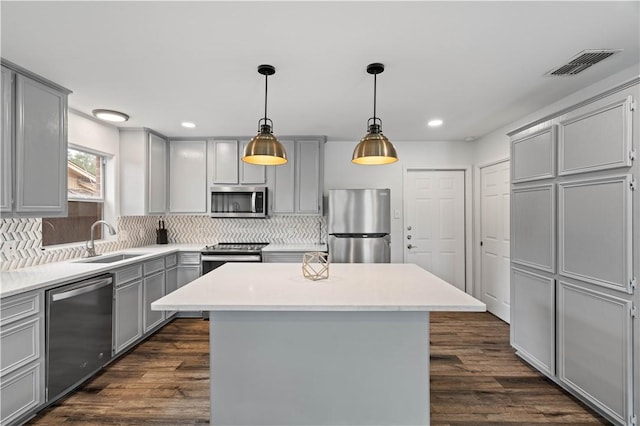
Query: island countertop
[[350, 287]]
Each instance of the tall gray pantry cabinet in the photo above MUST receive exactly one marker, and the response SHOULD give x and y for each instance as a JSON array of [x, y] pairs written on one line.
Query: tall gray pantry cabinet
[[575, 245]]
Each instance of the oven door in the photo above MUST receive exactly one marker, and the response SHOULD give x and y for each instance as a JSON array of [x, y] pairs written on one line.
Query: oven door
[[214, 261]]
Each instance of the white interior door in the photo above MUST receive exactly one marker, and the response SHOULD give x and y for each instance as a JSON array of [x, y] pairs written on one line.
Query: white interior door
[[495, 233], [434, 234]]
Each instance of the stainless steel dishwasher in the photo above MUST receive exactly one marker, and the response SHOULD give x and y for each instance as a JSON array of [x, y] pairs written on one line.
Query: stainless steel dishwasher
[[79, 337]]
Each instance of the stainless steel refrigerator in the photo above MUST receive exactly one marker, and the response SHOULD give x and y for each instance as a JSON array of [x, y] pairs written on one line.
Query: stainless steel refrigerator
[[359, 224]]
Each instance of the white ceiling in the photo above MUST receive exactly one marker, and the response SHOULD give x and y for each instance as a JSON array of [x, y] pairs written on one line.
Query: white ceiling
[[476, 65]]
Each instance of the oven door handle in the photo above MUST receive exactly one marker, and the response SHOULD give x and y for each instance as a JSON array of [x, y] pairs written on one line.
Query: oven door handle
[[232, 258]]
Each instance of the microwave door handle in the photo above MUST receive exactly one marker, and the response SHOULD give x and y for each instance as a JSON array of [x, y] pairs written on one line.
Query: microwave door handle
[[253, 202]]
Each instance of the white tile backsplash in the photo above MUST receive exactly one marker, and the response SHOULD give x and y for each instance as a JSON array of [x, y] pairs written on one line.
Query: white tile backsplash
[[21, 239]]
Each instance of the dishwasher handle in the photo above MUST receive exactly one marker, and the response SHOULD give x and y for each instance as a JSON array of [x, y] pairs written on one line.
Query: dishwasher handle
[[82, 288]]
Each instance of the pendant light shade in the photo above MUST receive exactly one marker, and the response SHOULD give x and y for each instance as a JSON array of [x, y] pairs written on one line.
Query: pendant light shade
[[264, 148], [374, 148]]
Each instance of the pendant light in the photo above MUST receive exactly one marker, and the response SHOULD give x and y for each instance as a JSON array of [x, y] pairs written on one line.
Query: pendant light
[[264, 148], [374, 148]]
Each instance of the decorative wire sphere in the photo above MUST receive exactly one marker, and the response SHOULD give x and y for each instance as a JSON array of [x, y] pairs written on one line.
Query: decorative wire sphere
[[315, 265]]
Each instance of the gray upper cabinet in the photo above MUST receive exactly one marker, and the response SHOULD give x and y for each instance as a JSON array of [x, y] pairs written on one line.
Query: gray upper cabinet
[[6, 186], [594, 231], [297, 186], [227, 167], [533, 226], [225, 162], [34, 140], [533, 155], [596, 137], [157, 172], [188, 176], [143, 172], [309, 177], [250, 174], [283, 182]]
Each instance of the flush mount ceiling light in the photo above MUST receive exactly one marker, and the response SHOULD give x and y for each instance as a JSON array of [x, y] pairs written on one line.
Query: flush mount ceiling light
[[188, 125], [264, 148], [436, 122], [110, 115], [374, 148]]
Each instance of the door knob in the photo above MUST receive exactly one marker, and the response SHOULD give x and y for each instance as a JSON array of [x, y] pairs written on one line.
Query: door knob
[[408, 237], [409, 228], [410, 246]]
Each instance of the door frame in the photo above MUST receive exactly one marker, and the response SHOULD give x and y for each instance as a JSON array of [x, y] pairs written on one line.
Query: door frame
[[477, 229], [468, 222]]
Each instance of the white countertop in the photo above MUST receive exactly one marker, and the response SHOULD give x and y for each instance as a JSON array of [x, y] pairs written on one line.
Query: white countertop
[[350, 287], [295, 247], [42, 276]]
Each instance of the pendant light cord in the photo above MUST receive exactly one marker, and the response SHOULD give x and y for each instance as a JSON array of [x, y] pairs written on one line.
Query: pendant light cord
[[266, 79], [374, 97]]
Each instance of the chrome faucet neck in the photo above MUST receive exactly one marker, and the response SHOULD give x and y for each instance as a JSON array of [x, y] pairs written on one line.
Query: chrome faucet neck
[[91, 250]]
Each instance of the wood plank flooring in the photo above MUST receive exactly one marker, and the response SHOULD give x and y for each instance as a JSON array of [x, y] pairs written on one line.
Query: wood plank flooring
[[476, 379]]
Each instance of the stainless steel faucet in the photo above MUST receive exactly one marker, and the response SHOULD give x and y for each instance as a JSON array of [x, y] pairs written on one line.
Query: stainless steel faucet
[[91, 250]]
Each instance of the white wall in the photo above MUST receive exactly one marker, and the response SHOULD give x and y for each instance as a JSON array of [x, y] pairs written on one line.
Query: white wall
[[102, 138], [341, 173]]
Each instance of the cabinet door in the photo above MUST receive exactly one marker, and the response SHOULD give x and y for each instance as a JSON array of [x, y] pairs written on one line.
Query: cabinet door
[[533, 226], [533, 156], [153, 290], [596, 137], [284, 182], [21, 392], [533, 318], [595, 348], [128, 315], [225, 162], [157, 175], [188, 177], [186, 274], [5, 148], [171, 284], [250, 173], [595, 231], [41, 149], [308, 177]]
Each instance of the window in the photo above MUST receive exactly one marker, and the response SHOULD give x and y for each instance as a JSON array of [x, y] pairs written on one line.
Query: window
[[85, 194]]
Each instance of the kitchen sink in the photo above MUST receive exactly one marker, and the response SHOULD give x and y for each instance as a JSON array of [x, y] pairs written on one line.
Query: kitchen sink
[[111, 258]]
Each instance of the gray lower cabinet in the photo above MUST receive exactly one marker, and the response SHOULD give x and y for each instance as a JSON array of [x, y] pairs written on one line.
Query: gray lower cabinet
[[22, 358], [189, 269], [153, 290], [533, 323], [34, 144], [595, 348], [282, 257], [128, 327], [170, 278]]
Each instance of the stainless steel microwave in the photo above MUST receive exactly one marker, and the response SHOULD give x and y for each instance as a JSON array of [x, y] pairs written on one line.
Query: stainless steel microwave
[[239, 201]]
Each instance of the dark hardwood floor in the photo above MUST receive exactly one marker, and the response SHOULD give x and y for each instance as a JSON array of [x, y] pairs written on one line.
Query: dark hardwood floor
[[476, 379]]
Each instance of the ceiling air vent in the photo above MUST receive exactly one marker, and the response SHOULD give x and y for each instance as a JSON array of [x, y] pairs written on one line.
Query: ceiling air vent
[[582, 61]]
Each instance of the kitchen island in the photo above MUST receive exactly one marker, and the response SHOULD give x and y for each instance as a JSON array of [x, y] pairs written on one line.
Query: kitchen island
[[351, 349]]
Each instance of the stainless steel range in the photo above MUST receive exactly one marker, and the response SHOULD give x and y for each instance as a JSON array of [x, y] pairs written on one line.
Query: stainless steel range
[[217, 255]]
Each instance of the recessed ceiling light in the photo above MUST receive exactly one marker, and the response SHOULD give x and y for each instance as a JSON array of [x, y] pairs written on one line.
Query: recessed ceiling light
[[110, 115], [188, 125], [435, 122]]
